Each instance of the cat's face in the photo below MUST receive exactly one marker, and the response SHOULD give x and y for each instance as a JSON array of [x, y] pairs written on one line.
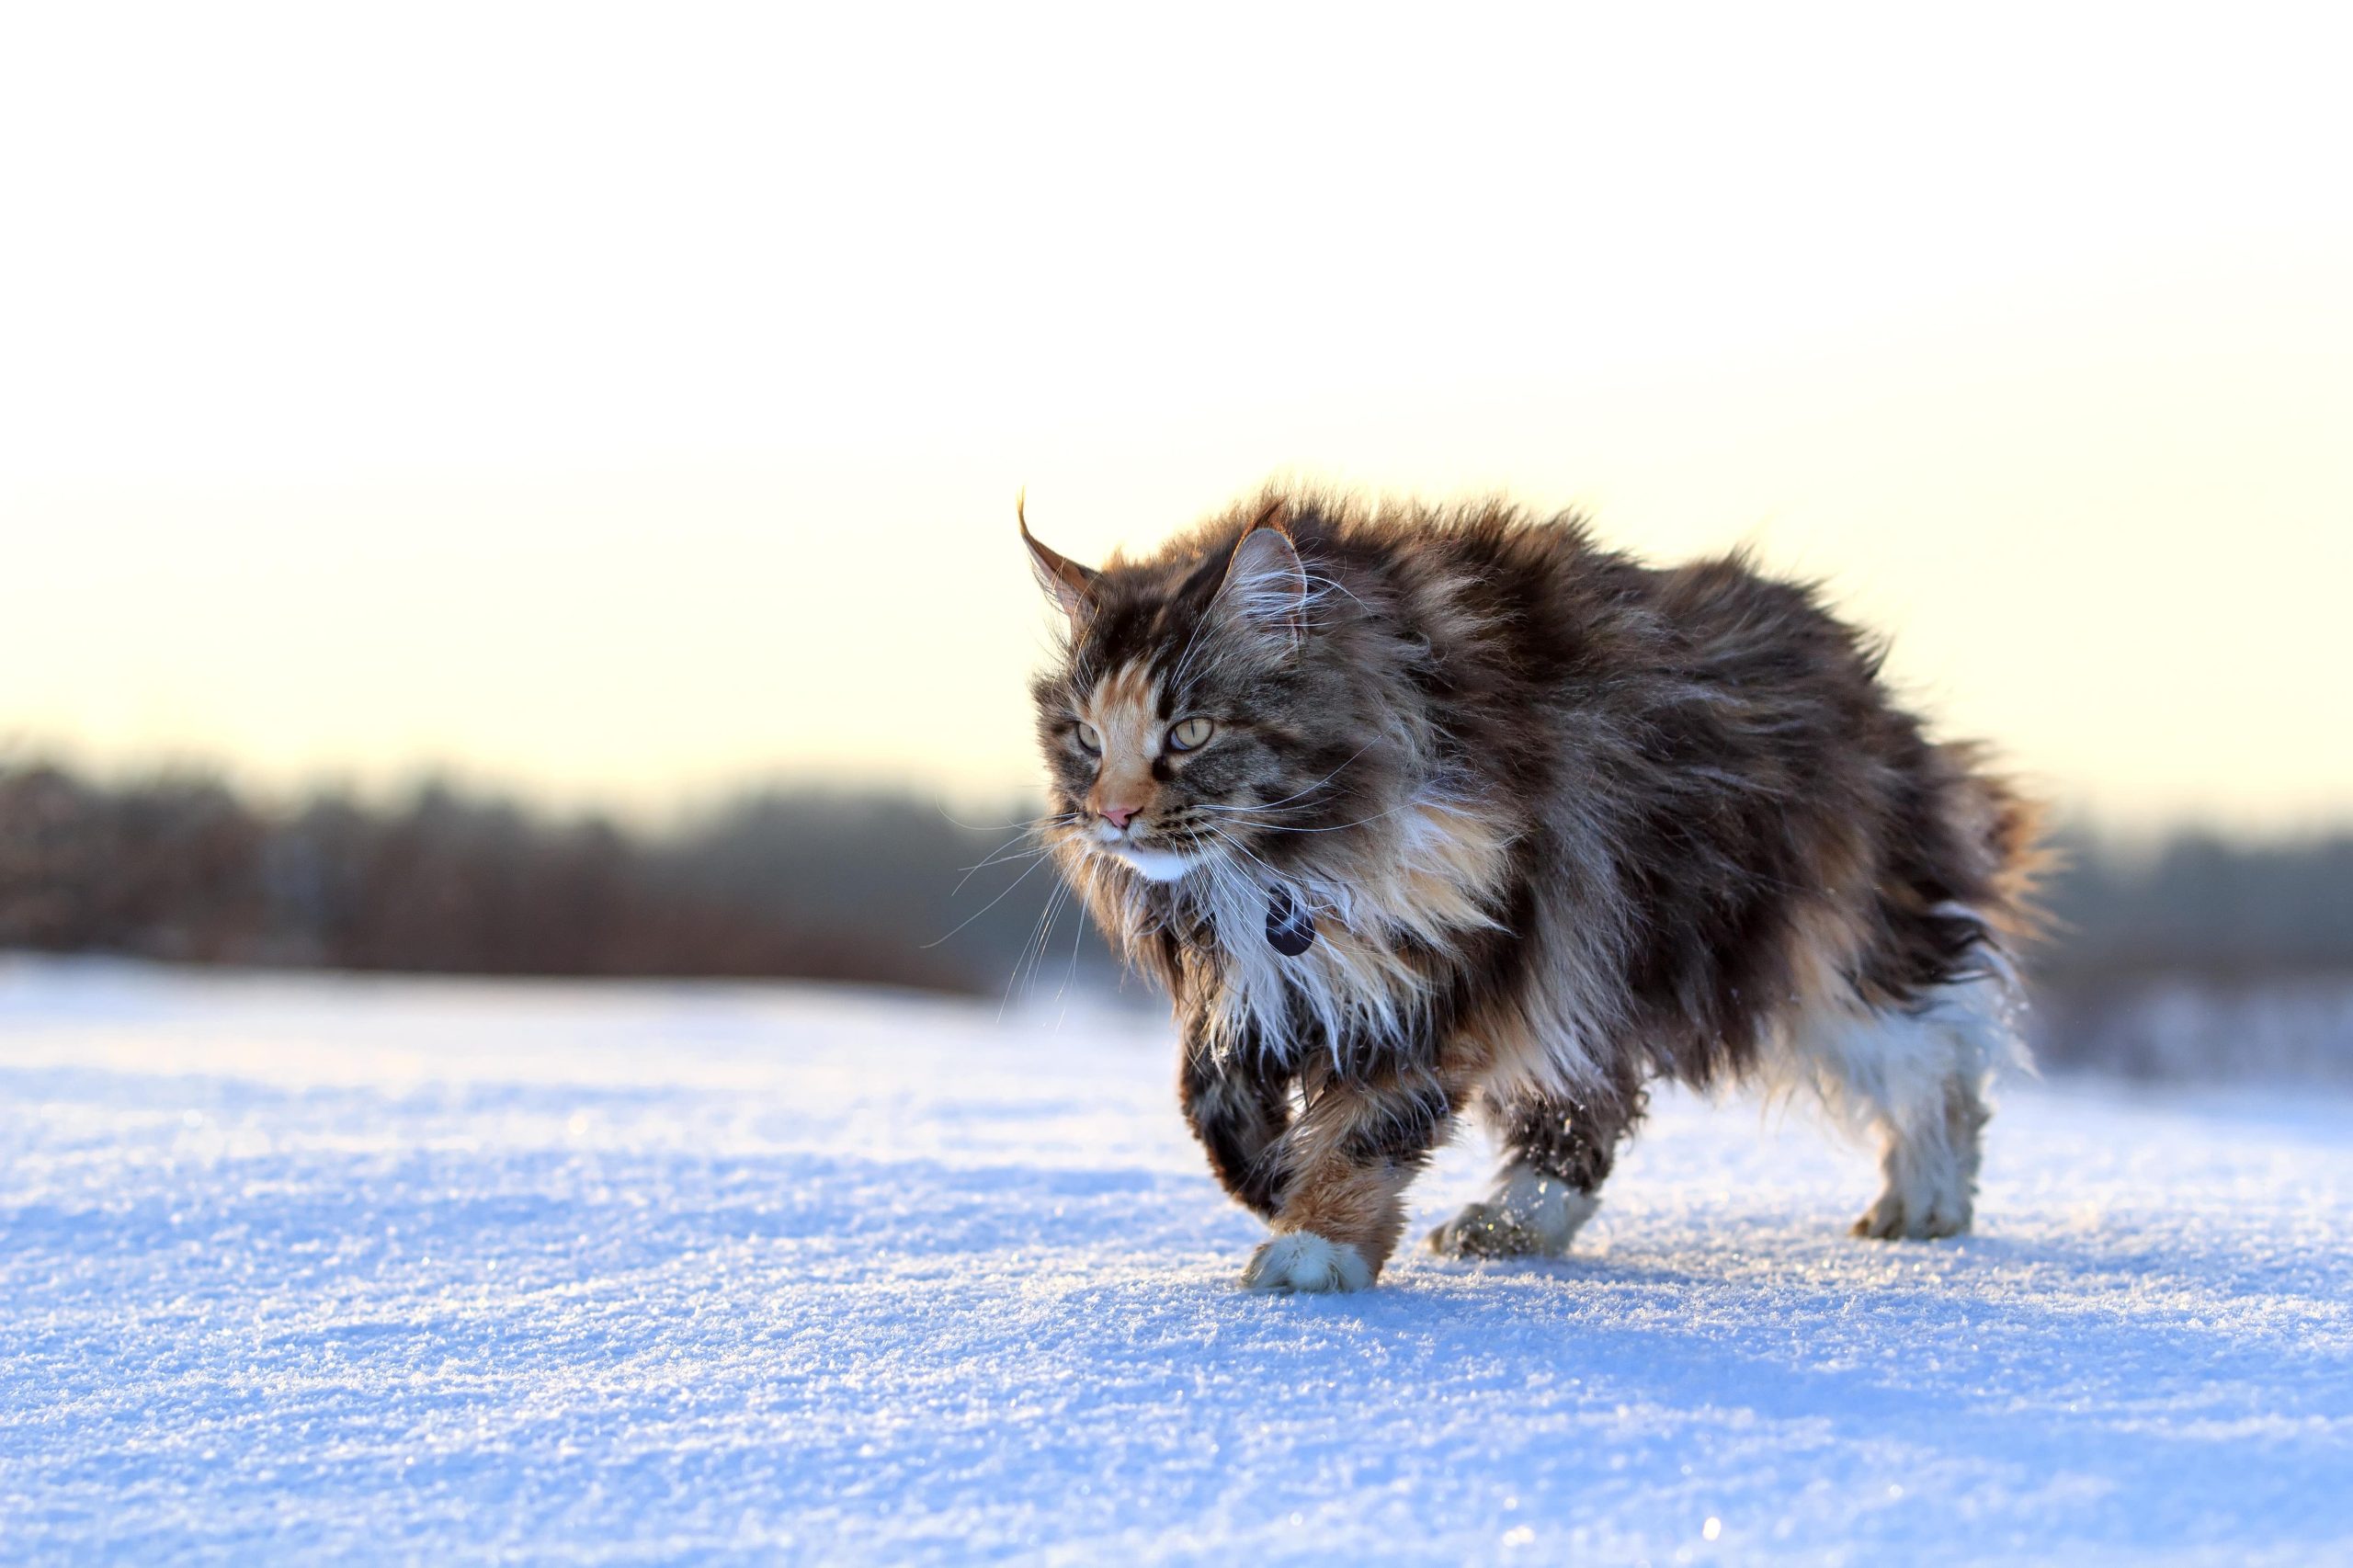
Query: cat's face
[[1171, 721]]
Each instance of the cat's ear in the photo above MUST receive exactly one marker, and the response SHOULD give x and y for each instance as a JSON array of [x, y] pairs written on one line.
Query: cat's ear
[[1266, 583], [1070, 585]]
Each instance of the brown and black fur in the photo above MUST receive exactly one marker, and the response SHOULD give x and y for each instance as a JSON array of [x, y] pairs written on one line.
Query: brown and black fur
[[1563, 823]]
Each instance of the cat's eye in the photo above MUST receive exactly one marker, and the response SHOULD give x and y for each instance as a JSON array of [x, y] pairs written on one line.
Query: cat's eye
[[1186, 735], [1088, 741]]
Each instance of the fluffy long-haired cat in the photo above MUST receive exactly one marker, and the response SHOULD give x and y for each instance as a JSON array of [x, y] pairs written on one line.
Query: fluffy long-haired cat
[[1418, 811]]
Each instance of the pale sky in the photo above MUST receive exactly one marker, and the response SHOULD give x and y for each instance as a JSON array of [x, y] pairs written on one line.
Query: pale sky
[[628, 406]]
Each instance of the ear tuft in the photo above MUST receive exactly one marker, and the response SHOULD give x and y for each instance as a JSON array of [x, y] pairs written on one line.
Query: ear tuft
[[1070, 585], [1266, 583]]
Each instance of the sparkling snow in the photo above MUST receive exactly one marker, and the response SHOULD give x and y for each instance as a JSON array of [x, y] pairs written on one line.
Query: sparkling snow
[[379, 1269]]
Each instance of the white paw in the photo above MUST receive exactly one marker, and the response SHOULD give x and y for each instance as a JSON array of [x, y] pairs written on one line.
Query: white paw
[[1305, 1261], [1918, 1214], [1528, 1215]]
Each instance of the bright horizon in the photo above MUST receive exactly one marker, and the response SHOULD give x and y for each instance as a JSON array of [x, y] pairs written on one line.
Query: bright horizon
[[625, 415]]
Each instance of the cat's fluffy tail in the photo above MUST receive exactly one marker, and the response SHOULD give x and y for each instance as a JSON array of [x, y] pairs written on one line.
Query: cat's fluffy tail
[[2010, 827]]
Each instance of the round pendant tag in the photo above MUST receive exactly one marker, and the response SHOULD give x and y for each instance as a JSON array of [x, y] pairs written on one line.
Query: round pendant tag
[[1290, 930]]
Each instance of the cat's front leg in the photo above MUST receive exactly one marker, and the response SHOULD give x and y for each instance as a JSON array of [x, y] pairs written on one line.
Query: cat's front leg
[[1238, 1105], [1345, 1162]]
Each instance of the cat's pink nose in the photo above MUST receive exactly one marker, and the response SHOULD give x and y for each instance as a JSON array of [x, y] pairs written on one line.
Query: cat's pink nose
[[1118, 815]]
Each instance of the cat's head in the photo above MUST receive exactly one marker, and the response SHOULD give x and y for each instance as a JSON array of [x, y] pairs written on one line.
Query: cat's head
[[1193, 717]]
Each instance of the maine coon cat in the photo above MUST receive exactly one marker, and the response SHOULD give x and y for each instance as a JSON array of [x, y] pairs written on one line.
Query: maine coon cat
[[1420, 812]]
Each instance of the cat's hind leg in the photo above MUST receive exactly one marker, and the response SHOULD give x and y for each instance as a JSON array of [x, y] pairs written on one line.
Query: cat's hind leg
[[1913, 1079], [1557, 1153], [1928, 1160]]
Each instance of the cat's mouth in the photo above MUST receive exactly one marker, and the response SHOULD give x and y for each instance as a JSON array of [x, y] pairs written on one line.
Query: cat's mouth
[[1155, 865], [1152, 861]]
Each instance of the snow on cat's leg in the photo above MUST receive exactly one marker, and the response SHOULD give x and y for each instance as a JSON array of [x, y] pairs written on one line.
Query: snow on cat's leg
[[1345, 1166], [1529, 1213], [1558, 1152]]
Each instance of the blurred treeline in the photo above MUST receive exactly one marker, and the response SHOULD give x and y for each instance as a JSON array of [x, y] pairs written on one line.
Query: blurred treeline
[[2200, 958], [445, 880], [2196, 954]]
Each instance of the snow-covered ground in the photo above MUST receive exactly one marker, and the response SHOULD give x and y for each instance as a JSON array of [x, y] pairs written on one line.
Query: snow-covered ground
[[304, 1268]]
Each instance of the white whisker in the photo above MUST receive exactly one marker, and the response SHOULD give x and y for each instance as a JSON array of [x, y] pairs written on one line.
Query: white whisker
[[997, 857], [946, 815], [1037, 935], [986, 907]]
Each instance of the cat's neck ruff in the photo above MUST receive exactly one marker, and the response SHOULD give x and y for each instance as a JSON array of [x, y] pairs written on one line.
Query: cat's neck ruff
[[1379, 901]]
